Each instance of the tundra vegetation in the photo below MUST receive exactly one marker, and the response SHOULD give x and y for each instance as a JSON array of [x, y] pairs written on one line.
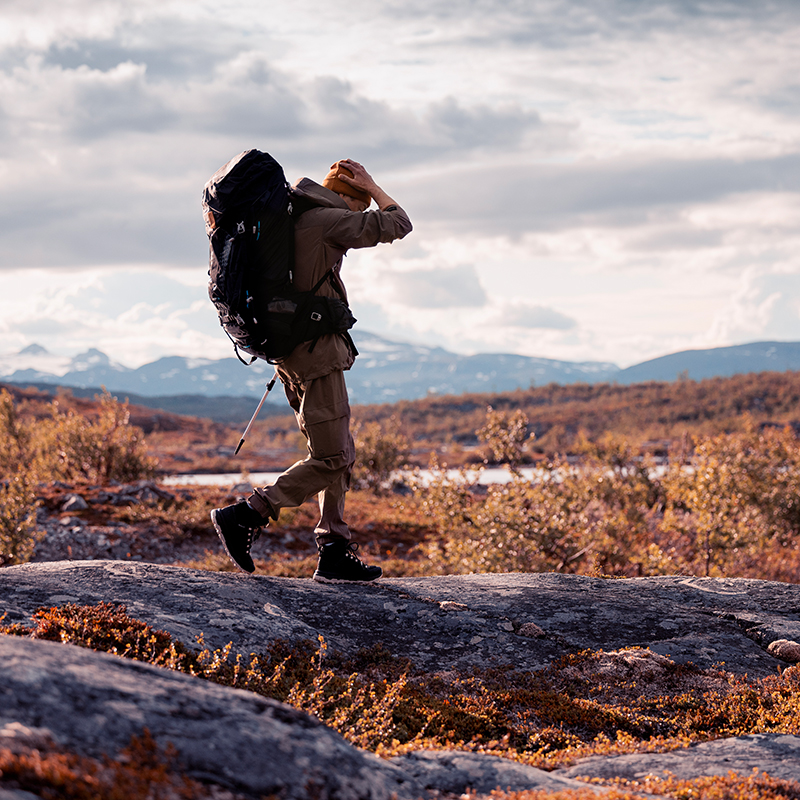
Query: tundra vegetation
[[717, 496]]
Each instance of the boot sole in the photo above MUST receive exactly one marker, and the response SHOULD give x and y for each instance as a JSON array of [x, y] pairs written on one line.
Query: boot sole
[[225, 545], [323, 579]]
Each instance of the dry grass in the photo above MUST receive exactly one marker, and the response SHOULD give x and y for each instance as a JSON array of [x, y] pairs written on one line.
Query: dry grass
[[589, 703]]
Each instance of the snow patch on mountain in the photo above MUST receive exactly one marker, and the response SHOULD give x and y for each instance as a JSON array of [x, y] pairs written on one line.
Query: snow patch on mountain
[[34, 359], [385, 372]]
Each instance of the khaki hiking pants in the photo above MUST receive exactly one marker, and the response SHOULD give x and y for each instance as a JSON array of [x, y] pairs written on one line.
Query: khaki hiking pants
[[322, 409]]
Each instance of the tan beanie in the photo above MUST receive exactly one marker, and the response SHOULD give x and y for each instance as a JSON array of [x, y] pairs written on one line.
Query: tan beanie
[[336, 184]]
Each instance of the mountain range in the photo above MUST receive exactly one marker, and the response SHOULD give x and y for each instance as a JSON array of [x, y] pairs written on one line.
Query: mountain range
[[385, 372]]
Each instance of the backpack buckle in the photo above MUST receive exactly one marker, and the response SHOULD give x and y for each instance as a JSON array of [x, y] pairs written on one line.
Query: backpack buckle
[[316, 316]]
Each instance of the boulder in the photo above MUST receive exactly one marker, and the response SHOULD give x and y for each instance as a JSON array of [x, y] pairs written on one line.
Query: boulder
[[93, 702], [74, 503]]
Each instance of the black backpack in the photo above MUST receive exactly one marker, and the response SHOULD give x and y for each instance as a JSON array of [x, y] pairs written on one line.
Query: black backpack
[[249, 212]]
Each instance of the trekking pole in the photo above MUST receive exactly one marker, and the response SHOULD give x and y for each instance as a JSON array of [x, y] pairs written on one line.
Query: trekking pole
[[253, 418]]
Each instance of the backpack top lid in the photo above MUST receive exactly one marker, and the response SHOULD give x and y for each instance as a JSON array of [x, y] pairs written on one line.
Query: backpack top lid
[[252, 181]]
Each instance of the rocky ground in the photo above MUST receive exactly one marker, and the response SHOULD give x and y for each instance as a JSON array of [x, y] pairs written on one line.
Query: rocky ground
[[147, 521], [94, 702], [121, 543], [116, 522]]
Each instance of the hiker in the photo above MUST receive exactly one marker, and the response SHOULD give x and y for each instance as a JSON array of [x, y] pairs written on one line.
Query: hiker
[[313, 376]]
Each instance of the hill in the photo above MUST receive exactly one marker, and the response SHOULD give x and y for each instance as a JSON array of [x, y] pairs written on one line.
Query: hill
[[385, 372], [652, 415], [716, 362]]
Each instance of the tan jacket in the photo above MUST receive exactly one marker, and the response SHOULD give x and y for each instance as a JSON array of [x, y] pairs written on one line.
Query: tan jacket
[[323, 235]]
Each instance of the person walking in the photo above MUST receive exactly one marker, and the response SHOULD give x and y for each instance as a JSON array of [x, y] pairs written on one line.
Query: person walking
[[337, 220]]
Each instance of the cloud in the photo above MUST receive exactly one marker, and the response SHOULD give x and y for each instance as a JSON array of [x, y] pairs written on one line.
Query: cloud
[[107, 166], [456, 287], [564, 23], [129, 314], [602, 171], [615, 193], [764, 305], [529, 315]]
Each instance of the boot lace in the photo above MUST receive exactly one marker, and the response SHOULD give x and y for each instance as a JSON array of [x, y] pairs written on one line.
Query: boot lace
[[252, 535], [351, 553]]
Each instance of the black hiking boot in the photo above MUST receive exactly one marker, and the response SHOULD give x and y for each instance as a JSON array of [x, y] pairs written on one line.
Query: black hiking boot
[[238, 526], [338, 563]]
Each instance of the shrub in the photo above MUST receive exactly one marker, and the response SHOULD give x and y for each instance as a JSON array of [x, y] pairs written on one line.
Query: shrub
[[736, 499], [18, 481], [67, 446], [18, 534], [72, 447], [506, 434], [573, 708], [142, 771], [15, 437], [598, 516], [378, 454]]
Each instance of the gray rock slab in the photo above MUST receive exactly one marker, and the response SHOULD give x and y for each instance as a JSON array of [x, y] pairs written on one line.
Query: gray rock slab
[[455, 772], [17, 794], [776, 754], [461, 621], [93, 703]]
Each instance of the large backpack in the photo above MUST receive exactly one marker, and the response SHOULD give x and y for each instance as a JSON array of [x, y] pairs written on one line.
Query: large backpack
[[249, 212]]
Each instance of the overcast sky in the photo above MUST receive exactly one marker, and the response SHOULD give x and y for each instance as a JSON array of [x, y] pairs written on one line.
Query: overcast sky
[[608, 181]]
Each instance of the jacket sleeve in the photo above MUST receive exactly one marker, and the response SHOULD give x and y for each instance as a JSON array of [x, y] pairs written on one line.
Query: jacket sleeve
[[354, 229]]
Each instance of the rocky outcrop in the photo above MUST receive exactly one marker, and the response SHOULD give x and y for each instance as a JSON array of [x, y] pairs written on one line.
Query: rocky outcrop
[[93, 702], [525, 620], [775, 754]]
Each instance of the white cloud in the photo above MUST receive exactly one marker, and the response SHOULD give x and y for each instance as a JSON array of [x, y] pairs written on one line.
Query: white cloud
[[528, 315], [621, 178], [454, 287]]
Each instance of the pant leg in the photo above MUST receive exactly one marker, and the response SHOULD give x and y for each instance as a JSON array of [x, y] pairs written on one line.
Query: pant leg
[[322, 410]]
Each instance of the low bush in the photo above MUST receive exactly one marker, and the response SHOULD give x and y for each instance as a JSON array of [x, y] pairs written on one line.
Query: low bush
[[18, 532], [72, 447], [379, 453], [378, 701], [64, 446], [730, 507], [18, 480], [142, 771], [736, 499]]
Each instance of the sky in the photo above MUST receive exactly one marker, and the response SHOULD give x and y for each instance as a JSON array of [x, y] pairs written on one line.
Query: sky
[[589, 180]]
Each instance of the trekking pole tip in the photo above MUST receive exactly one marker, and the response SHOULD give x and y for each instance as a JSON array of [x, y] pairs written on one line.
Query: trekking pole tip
[[239, 446]]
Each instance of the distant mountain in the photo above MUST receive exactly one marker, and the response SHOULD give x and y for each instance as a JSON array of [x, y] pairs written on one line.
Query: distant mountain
[[385, 372], [388, 371], [718, 362]]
